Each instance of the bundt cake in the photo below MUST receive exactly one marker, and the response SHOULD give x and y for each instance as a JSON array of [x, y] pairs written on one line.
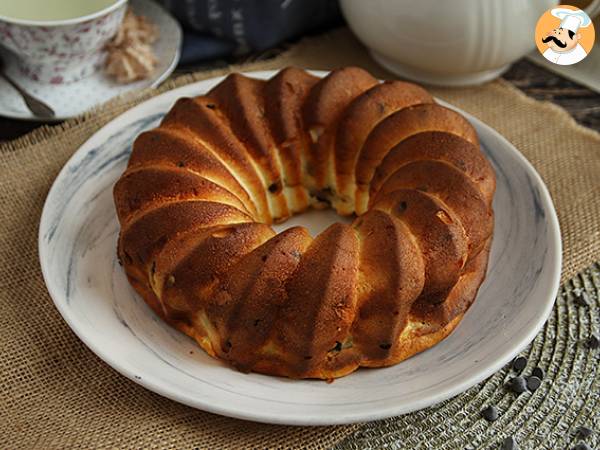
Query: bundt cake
[[200, 192]]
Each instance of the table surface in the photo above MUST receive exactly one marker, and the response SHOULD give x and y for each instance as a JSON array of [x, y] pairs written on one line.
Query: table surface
[[582, 103]]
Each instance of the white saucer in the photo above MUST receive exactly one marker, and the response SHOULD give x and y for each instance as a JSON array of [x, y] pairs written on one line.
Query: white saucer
[[72, 99], [77, 242]]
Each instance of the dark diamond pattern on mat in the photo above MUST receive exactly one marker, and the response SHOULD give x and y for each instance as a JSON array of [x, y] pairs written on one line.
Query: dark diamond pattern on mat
[[593, 342], [490, 413], [519, 364], [510, 443], [582, 299], [518, 385], [533, 383], [582, 446], [538, 372], [584, 432]]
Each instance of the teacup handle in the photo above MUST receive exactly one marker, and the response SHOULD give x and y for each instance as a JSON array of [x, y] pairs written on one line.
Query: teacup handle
[[593, 8]]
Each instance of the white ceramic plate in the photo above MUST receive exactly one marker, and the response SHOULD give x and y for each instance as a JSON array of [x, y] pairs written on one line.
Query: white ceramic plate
[[77, 242], [71, 99]]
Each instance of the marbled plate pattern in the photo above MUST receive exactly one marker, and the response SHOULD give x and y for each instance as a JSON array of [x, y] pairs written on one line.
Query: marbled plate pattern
[[77, 240]]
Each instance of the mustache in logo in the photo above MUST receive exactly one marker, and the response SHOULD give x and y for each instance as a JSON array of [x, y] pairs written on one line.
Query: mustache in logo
[[556, 41]]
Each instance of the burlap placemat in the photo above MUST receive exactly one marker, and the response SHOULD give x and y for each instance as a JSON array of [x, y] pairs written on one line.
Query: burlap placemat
[[55, 394]]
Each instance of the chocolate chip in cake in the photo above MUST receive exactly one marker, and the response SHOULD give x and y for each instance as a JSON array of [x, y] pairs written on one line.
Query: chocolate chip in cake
[[518, 385], [337, 347], [510, 443], [490, 413], [584, 432], [581, 299], [324, 195], [275, 188], [385, 346], [538, 372], [519, 364], [593, 342], [533, 383]]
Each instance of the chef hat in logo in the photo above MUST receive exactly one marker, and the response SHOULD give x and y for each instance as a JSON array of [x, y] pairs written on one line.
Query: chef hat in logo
[[571, 20]]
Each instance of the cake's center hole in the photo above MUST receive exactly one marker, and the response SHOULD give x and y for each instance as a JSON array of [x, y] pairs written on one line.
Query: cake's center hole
[[315, 220]]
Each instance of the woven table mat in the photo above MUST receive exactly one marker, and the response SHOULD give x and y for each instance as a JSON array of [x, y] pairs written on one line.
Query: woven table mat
[[56, 394], [549, 418]]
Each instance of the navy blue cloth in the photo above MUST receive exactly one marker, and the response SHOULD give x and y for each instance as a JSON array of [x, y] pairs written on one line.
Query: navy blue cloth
[[222, 28]]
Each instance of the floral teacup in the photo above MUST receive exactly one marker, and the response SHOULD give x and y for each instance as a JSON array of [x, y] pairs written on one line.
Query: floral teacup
[[61, 51]]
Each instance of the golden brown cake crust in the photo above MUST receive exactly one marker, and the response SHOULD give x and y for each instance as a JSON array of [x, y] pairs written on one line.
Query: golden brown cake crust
[[285, 94], [200, 192]]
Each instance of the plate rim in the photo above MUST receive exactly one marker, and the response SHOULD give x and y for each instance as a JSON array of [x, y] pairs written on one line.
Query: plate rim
[[263, 416]]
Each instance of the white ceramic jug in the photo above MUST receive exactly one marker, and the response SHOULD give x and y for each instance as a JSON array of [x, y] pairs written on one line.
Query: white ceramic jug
[[452, 43]]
